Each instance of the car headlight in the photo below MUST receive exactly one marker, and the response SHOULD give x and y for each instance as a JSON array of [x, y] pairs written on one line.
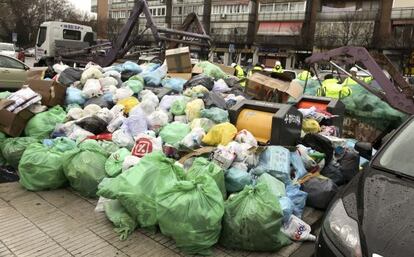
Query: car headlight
[[343, 230]]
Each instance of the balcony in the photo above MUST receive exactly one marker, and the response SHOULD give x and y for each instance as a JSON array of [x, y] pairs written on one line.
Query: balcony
[[282, 16], [234, 17], [402, 13], [348, 15]]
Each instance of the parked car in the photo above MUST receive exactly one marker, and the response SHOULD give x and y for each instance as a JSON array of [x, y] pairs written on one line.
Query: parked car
[[373, 214], [30, 52], [13, 73], [7, 49]]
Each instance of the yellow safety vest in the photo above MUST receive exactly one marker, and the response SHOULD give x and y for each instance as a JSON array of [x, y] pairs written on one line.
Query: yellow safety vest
[[303, 75], [277, 69], [349, 82], [255, 69], [330, 88], [240, 75]]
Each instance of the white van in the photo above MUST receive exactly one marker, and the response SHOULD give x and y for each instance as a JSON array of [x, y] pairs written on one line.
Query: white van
[[55, 36]]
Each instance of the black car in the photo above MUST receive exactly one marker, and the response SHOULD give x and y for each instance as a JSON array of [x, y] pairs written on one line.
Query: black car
[[373, 215]]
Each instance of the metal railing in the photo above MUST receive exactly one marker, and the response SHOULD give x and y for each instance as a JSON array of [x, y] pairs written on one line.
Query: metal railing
[[349, 15], [281, 16], [402, 13], [235, 17]]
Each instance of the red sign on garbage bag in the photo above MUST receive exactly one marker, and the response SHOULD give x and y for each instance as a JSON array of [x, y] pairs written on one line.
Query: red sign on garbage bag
[[142, 147]]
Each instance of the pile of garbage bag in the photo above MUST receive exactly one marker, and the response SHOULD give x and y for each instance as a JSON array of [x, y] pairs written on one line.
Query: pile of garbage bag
[[174, 161]]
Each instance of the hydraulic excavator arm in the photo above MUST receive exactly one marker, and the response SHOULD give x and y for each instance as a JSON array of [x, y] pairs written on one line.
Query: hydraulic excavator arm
[[124, 41], [395, 90]]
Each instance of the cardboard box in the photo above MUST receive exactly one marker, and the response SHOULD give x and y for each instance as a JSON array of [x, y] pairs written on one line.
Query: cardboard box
[[261, 86], [179, 60], [227, 69], [196, 70], [186, 76], [52, 92], [11, 123]]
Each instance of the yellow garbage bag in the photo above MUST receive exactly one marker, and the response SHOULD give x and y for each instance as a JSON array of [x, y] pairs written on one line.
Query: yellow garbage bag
[[128, 103], [193, 109], [195, 91], [220, 134], [311, 126]]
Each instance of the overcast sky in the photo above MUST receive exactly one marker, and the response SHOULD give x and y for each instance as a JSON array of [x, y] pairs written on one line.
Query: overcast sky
[[84, 5]]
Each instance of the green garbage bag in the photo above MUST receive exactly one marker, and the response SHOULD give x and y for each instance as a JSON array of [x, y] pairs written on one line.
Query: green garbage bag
[[135, 85], [13, 148], [215, 114], [276, 186], [190, 212], [109, 146], [212, 70], [138, 187], [203, 123], [84, 167], [113, 165], [174, 132], [123, 222], [178, 107], [236, 180], [71, 106], [202, 166], [4, 94], [42, 124], [63, 144], [3, 137], [252, 220], [40, 168]]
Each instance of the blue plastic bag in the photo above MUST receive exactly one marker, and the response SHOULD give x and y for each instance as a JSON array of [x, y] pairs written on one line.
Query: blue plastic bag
[[131, 66], [236, 180], [275, 160], [135, 124], [287, 207], [298, 164], [74, 96], [176, 84], [298, 198], [153, 78]]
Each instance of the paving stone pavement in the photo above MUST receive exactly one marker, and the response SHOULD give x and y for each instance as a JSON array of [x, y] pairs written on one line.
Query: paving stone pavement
[[62, 223]]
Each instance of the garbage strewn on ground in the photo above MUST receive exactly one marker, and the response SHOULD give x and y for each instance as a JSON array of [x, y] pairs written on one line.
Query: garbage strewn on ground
[[165, 153]]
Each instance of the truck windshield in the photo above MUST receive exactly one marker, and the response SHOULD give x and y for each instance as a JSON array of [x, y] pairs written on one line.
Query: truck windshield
[[42, 36], [399, 155], [6, 47]]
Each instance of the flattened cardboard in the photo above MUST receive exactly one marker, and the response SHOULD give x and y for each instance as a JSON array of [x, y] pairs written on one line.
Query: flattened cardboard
[[11, 123], [259, 84], [186, 76], [52, 92], [179, 60], [197, 70], [227, 69], [36, 73]]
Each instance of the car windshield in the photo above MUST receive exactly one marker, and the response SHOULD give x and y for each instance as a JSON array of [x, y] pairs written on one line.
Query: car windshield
[[399, 155], [6, 47]]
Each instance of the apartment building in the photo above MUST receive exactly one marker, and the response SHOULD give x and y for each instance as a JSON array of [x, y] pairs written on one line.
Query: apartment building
[[250, 31]]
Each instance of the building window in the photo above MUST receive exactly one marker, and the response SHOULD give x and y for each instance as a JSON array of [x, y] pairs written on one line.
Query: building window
[[230, 9], [71, 34]]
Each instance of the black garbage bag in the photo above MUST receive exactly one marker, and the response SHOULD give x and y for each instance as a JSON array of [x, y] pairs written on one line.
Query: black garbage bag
[[213, 99], [320, 192], [333, 171], [232, 81], [69, 76], [125, 75], [8, 174], [349, 164], [319, 143], [93, 124], [100, 101], [202, 80]]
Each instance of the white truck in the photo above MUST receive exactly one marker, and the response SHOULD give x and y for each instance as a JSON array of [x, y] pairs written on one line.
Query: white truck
[[56, 37]]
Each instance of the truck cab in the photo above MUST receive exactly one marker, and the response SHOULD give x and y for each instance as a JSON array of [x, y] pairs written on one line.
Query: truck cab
[[55, 37]]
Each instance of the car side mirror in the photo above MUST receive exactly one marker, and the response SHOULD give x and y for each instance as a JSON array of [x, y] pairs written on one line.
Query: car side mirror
[[26, 67], [364, 149]]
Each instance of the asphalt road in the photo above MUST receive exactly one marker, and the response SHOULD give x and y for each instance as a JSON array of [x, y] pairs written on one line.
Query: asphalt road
[[30, 61]]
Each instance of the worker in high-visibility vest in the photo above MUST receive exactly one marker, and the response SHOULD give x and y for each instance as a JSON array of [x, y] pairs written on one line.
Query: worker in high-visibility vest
[[349, 82], [332, 89], [278, 67], [257, 68], [239, 73], [304, 75]]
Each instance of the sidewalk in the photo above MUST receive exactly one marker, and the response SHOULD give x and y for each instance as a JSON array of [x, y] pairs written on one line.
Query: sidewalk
[[61, 223]]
